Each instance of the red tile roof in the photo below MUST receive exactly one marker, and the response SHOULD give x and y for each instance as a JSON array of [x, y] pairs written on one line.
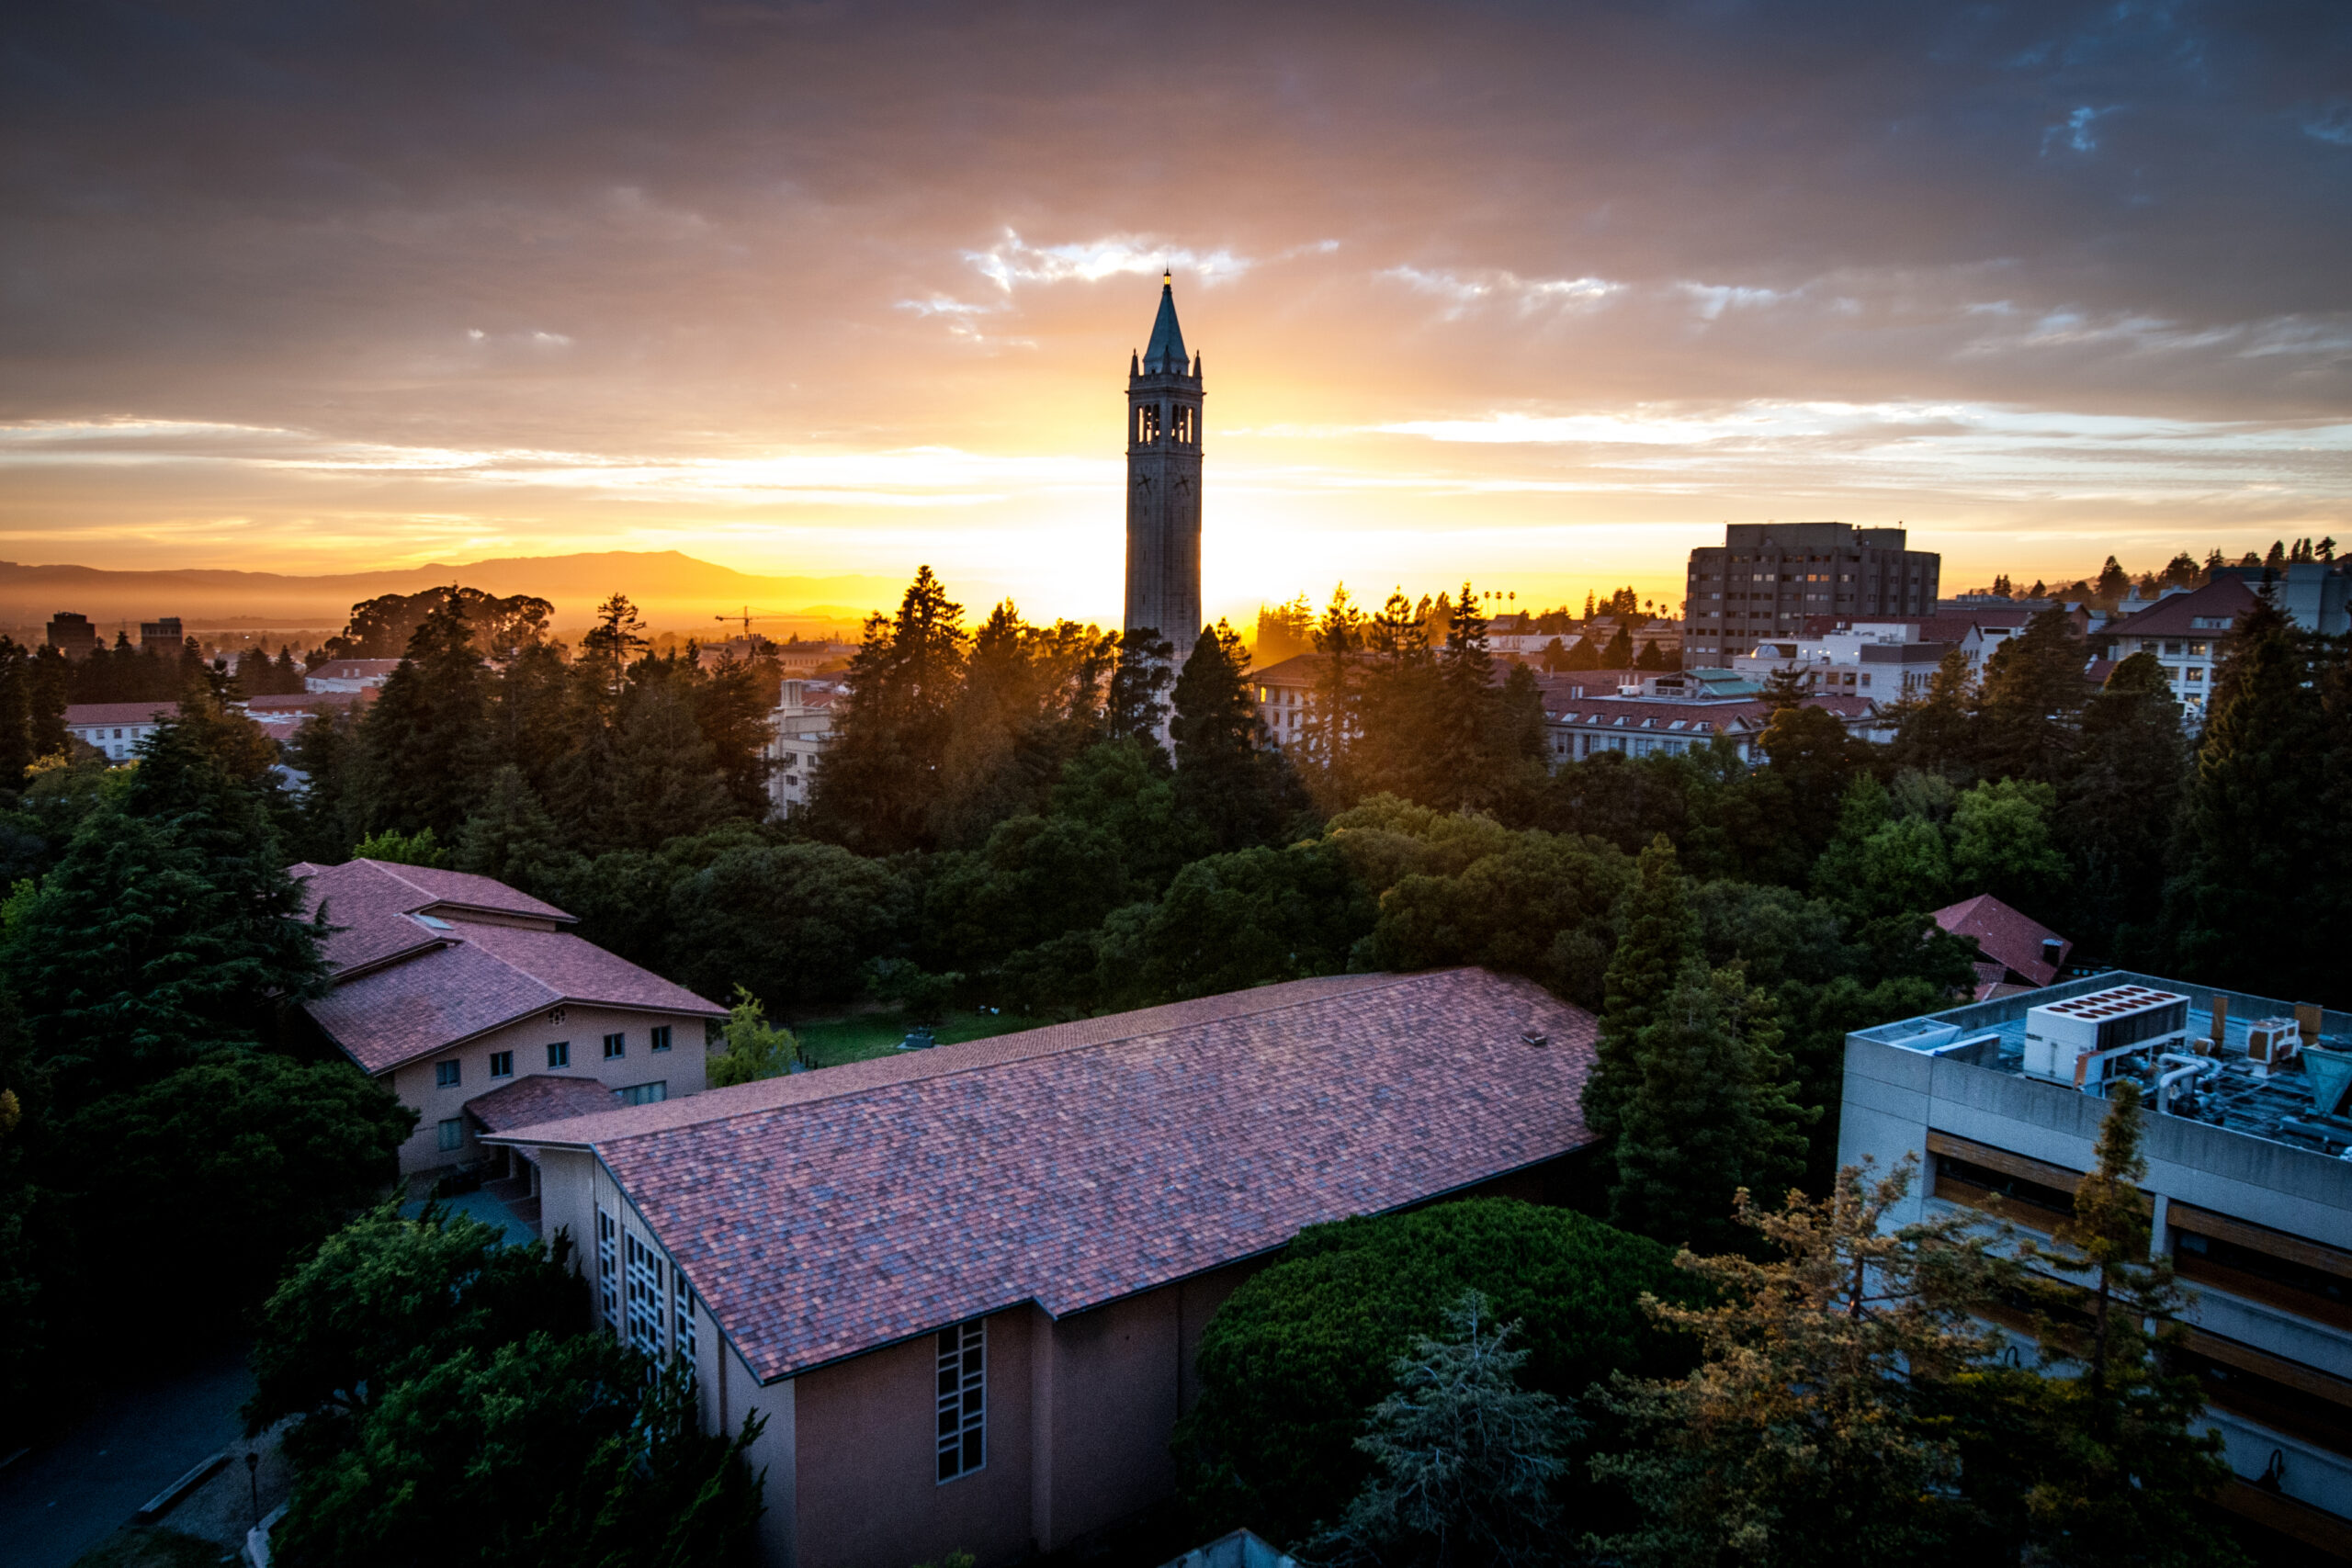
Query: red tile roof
[[82, 715], [2004, 936], [475, 979], [829, 1214], [2223, 597], [536, 1098], [362, 894], [418, 965], [310, 701]]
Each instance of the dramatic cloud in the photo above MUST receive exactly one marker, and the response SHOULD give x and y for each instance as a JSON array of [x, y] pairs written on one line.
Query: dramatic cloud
[[1538, 294]]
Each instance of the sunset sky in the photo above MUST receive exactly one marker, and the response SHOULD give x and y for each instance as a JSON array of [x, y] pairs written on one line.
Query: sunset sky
[[1539, 294]]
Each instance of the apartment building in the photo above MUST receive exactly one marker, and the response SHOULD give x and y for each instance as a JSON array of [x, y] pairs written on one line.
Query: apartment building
[[2185, 633], [798, 731], [2249, 1151], [1766, 578]]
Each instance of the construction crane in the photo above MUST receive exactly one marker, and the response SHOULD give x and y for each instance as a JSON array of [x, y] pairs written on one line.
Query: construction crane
[[749, 615]]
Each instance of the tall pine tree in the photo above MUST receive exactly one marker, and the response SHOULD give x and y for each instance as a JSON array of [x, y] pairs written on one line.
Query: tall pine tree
[[1229, 778], [425, 743], [1658, 932], [881, 776], [1712, 1113], [2243, 859]]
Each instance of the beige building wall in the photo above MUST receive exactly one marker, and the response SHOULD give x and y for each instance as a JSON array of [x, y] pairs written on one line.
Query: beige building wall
[[684, 1068]]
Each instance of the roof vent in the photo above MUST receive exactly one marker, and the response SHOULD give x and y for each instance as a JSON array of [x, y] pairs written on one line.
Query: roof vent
[[1535, 1037], [2052, 949]]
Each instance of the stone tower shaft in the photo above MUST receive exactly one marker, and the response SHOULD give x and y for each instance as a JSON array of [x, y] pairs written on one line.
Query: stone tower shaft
[[1164, 484]]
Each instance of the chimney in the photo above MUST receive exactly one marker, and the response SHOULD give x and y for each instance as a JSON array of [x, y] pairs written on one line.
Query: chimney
[[2053, 949]]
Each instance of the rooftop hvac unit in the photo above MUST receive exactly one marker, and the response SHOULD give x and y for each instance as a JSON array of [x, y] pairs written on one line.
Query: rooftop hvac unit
[[2272, 1045], [2085, 1040]]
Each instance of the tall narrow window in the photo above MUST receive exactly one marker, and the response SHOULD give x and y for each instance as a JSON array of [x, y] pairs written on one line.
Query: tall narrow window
[[646, 1293], [608, 1273], [681, 1328], [962, 1399]]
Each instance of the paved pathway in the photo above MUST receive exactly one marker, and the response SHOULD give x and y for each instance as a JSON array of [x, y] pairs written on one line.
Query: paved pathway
[[66, 1496]]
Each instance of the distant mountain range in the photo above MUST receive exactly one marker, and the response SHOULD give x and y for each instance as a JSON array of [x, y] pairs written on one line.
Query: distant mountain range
[[673, 591]]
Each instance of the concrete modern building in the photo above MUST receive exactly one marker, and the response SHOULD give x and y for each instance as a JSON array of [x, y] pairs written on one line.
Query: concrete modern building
[[1766, 578], [448, 987], [162, 635], [2316, 595], [1164, 484], [964, 1286], [2247, 1141], [798, 731]]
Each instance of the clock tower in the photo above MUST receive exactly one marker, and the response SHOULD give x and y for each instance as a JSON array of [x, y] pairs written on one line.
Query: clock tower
[[1164, 484]]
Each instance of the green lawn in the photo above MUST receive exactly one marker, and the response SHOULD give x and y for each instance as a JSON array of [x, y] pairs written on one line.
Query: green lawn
[[835, 1041]]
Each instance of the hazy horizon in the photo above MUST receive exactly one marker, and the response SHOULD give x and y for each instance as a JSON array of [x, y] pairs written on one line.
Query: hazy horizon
[[1483, 290]]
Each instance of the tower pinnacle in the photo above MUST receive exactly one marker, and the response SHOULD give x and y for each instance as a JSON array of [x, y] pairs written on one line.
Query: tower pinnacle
[[1164, 484]]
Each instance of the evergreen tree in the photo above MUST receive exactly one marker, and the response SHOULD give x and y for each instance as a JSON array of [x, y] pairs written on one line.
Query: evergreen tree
[[1711, 1114], [1465, 1460], [731, 704], [535, 724], [2033, 688], [1656, 935], [1136, 709], [1338, 645], [2245, 852], [423, 752], [663, 782], [1229, 778], [1812, 1432], [169, 924], [881, 775], [511, 837], [1619, 654], [1937, 733], [2115, 1467], [2117, 802]]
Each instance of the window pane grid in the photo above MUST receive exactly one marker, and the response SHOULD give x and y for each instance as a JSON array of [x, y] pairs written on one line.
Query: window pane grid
[[646, 1291], [608, 1270], [962, 1399]]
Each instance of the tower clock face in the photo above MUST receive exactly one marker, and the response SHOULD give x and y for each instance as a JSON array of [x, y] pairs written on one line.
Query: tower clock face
[[1143, 481]]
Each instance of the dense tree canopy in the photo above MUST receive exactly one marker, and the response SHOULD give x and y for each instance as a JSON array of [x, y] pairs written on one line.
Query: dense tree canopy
[[1293, 1361]]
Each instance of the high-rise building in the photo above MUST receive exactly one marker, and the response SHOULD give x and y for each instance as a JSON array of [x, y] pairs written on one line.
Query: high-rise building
[[73, 635], [1766, 578], [1164, 484], [163, 637]]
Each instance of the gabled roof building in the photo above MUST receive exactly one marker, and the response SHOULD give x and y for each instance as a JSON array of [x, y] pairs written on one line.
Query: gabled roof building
[[965, 1285], [446, 984]]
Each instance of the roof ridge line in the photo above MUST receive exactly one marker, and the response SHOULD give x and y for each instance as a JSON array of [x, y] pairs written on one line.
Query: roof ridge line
[[1378, 980]]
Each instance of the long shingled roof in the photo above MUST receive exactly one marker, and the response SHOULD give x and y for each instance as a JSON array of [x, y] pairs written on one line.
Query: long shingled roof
[[830, 1213]]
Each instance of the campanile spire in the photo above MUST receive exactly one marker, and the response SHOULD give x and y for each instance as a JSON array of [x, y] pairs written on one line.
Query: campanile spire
[[1164, 484]]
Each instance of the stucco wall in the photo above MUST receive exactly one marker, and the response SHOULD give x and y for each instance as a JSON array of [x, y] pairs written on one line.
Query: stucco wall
[[684, 1068], [869, 1495]]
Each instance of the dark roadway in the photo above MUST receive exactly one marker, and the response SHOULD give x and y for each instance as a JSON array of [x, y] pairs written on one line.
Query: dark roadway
[[70, 1493]]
